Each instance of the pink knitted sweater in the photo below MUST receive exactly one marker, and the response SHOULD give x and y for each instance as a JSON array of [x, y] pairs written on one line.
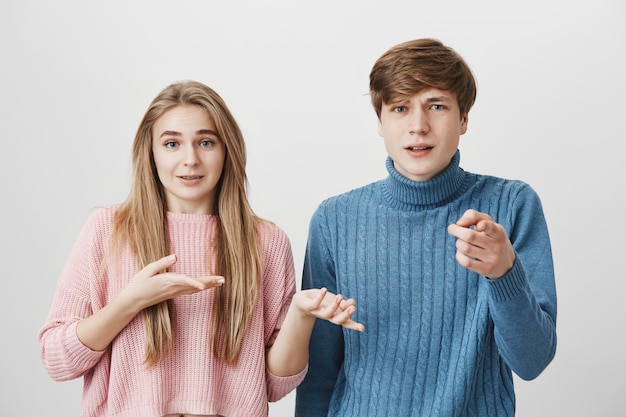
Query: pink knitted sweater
[[190, 380]]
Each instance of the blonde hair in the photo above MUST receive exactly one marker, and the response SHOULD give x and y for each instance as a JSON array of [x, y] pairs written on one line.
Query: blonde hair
[[141, 222]]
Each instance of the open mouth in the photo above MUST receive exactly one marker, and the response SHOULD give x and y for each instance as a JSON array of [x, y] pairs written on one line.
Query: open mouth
[[190, 177], [419, 148]]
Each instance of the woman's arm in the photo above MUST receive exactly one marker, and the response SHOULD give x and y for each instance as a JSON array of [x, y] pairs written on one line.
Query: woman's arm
[[147, 288], [290, 352]]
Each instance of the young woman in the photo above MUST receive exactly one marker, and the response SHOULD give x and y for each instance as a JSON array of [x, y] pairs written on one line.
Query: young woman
[[180, 301]]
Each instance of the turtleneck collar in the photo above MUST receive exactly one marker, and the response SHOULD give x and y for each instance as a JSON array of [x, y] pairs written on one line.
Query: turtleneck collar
[[405, 194]]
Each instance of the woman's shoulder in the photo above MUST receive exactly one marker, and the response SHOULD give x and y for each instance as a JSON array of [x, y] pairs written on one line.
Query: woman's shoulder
[[102, 214], [270, 234], [267, 227], [100, 220]]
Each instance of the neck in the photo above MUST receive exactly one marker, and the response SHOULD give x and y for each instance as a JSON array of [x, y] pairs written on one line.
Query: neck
[[405, 194]]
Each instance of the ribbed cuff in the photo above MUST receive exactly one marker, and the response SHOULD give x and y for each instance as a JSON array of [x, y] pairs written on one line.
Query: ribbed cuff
[[279, 386], [81, 355], [509, 285]]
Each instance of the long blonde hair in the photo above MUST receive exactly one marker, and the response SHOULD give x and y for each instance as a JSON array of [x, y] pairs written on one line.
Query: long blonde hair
[[141, 222]]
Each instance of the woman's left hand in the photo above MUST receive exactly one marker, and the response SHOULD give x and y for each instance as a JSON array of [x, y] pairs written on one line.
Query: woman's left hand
[[328, 306]]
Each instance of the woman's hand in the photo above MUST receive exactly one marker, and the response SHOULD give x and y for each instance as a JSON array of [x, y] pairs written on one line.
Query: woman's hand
[[152, 285], [148, 287], [290, 352], [325, 305]]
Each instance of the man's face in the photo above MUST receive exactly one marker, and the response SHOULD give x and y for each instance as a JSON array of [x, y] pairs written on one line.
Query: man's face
[[422, 132]]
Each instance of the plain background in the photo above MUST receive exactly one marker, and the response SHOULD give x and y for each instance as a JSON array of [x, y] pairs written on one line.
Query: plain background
[[77, 76]]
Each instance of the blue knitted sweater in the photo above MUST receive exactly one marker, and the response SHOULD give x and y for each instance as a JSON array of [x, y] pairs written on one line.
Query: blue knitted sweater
[[440, 340]]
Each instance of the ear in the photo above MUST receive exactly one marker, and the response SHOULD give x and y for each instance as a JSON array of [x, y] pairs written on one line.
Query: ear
[[463, 126]]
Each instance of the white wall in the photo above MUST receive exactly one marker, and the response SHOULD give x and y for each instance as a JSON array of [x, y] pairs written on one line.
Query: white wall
[[76, 77]]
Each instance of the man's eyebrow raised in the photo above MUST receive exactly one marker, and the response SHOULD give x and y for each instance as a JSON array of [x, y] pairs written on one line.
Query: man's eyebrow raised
[[439, 98]]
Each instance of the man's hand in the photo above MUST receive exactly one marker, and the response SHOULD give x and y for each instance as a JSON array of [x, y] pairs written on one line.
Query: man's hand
[[482, 245]]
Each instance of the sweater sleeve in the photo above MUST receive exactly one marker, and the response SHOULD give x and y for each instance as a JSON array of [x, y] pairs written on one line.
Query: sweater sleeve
[[326, 345], [279, 286], [523, 302], [63, 355]]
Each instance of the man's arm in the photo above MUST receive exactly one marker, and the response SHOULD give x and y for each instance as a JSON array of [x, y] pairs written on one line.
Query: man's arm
[[521, 280]]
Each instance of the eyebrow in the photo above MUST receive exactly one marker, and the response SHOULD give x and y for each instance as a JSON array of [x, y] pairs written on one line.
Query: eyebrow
[[404, 100], [198, 132], [439, 98]]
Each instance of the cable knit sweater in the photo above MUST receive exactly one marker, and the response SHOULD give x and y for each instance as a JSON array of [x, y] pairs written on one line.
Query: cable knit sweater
[[440, 340], [190, 380]]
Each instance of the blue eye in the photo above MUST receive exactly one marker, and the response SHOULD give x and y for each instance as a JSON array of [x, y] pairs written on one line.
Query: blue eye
[[206, 143], [399, 109], [438, 107], [170, 144]]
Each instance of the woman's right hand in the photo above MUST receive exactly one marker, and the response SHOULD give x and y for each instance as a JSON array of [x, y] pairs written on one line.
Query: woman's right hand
[[148, 287], [152, 285]]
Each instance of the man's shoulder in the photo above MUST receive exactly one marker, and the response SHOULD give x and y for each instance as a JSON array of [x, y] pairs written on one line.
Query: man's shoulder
[[514, 192], [509, 184], [354, 195], [349, 202]]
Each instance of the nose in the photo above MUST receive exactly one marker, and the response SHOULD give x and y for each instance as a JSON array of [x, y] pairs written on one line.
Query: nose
[[418, 122], [191, 159]]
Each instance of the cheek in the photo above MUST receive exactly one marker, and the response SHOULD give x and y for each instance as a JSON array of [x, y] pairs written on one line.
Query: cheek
[[162, 165], [463, 127], [217, 160], [219, 167], [158, 163]]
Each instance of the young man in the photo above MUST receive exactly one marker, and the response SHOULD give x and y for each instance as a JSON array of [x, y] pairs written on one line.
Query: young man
[[452, 271]]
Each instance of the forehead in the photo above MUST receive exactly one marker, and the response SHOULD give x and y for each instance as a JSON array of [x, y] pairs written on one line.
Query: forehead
[[183, 116], [428, 94]]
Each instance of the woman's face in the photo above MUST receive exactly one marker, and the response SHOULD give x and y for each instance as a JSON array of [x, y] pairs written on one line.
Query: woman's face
[[189, 157]]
